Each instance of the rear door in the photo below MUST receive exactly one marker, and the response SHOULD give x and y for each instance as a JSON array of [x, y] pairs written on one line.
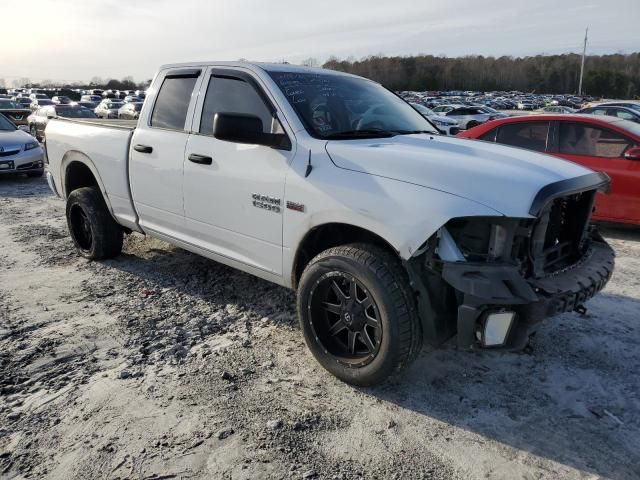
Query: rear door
[[602, 149], [157, 152], [233, 196]]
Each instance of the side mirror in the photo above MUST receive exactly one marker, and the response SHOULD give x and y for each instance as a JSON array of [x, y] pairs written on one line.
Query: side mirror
[[240, 128], [632, 154]]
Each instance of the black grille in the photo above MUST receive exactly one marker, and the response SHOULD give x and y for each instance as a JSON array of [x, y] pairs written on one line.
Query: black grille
[[559, 236]]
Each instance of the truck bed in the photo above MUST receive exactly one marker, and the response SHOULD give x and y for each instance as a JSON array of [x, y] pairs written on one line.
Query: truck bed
[[103, 145]]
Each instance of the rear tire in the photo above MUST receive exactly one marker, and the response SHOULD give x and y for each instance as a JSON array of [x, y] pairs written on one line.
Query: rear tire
[[346, 287], [95, 233]]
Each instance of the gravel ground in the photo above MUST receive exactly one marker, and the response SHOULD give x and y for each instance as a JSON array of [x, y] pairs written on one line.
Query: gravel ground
[[160, 364]]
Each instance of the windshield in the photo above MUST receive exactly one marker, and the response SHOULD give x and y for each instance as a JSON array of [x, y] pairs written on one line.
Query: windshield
[[70, 112], [42, 102], [115, 105], [336, 106], [6, 125], [5, 104]]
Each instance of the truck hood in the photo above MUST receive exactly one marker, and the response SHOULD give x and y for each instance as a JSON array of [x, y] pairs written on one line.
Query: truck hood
[[505, 179]]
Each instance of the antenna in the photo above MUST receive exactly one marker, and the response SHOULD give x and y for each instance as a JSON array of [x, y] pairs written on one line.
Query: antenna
[[584, 51]]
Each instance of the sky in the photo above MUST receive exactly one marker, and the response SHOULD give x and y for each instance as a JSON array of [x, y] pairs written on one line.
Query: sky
[[75, 40]]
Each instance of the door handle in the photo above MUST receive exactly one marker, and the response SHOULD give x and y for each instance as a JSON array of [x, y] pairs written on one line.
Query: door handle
[[201, 159], [143, 148]]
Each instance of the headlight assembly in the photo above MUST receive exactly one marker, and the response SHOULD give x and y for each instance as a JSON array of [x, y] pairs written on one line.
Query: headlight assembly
[[31, 145]]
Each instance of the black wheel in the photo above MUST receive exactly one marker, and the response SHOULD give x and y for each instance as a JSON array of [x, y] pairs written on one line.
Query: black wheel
[[35, 174], [95, 233], [472, 124], [358, 313]]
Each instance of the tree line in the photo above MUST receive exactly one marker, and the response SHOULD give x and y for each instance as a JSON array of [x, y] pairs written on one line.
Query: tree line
[[610, 76]]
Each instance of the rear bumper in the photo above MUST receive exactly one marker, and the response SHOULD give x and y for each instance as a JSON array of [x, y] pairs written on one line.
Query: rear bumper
[[489, 289]]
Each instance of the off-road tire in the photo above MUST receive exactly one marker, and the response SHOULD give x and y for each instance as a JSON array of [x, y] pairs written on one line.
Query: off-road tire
[[383, 276], [105, 235]]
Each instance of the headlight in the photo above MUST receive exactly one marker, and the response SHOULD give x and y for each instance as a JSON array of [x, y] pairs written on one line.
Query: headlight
[[31, 145], [484, 238], [440, 124]]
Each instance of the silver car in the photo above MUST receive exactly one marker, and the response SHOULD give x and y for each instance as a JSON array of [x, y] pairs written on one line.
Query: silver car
[[448, 125], [19, 151]]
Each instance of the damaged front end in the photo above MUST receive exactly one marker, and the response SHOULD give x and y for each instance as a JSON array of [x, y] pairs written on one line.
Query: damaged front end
[[490, 280]]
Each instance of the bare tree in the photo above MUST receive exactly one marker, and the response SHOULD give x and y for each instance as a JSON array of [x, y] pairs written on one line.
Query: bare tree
[[310, 62]]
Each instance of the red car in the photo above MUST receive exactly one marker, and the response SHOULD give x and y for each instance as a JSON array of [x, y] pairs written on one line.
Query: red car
[[606, 144]]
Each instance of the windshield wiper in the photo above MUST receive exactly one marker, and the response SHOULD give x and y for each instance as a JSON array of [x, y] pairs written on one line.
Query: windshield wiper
[[371, 132], [413, 132]]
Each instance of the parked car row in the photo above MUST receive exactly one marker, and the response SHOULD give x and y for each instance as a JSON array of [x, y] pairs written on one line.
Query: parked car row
[[499, 100]]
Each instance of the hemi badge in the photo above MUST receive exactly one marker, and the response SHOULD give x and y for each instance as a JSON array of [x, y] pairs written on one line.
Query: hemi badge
[[298, 207]]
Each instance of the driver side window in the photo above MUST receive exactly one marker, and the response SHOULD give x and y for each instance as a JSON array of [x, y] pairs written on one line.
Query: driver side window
[[226, 94]]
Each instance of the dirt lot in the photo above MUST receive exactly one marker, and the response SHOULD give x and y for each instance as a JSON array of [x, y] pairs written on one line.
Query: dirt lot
[[161, 364]]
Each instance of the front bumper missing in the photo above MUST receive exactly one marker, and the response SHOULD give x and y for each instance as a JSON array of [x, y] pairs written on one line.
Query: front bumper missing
[[489, 288]]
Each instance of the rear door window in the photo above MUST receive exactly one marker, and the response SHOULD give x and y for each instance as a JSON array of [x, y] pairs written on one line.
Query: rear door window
[[490, 136], [590, 140], [529, 135], [624, 115], [170, 109]]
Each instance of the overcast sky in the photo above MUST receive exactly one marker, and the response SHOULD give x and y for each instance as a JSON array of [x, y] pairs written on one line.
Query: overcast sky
[[67, 40]]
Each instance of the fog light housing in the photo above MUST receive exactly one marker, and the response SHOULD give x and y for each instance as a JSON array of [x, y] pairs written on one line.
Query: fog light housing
[[496, 328]]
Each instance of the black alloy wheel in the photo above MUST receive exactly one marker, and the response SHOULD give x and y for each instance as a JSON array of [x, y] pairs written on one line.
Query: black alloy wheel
[[345, 318], [80, 228]]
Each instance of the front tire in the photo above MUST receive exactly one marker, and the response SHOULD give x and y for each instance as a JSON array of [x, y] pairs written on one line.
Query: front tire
[[95, 233], [358, 313]]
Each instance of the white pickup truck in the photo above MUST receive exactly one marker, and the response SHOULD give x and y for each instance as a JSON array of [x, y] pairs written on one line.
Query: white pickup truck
[[327, 183]]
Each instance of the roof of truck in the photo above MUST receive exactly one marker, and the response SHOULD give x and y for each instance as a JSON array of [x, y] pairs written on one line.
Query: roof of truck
[[269, 67]]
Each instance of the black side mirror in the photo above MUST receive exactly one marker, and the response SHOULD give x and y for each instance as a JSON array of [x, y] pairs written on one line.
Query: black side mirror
[[240, 128]]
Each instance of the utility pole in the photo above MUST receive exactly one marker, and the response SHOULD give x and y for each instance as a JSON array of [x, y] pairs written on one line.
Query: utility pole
[[584, 52]]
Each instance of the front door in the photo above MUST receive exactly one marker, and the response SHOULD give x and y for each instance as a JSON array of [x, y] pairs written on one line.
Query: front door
[[234, 193]]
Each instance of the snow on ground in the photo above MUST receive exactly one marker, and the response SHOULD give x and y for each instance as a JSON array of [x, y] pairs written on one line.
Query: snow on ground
[[162, 364]]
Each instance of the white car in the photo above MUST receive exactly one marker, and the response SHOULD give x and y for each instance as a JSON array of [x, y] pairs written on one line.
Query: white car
[[524, 105], [108, 108], [448, 126], [391, 234]]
